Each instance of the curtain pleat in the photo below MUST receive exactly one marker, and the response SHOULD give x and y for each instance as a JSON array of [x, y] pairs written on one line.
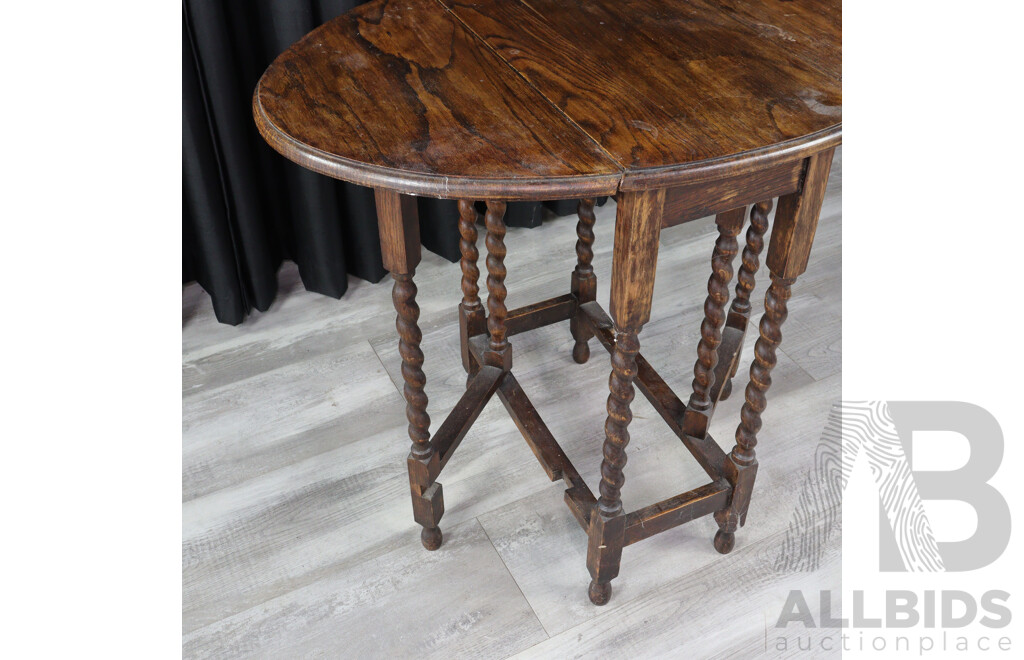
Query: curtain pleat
[[246, 208]]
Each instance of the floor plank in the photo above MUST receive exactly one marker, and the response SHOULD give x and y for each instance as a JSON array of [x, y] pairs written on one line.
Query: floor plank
[[728, 610], [403, 603], [243, 429]]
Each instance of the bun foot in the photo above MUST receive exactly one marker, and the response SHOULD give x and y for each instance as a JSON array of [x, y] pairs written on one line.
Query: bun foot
[[726, 390], [599, 592], [581, 352], [431, 537], [724, 542]]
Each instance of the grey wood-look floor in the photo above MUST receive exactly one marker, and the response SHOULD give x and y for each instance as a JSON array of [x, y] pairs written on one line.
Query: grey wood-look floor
[[298, 539]]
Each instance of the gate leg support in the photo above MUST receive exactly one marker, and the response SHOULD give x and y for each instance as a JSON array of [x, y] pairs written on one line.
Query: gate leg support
[[584, 282], [739, 313], [698, 412], [499, 352], [472, 320], [792, 235]]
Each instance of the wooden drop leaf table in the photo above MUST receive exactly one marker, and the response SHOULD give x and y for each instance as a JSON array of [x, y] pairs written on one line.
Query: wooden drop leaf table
[[680, 109]]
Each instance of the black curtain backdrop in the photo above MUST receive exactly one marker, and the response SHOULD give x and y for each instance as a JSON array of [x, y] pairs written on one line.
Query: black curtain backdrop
[[245, 208]]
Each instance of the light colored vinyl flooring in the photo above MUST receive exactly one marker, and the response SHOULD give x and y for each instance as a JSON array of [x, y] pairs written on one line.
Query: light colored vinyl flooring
[[298, 539]]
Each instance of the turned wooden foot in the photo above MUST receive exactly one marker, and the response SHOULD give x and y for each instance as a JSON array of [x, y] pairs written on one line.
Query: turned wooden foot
[[725, 538], [725, 541], [431, 537], [600, 592], [581, 352]]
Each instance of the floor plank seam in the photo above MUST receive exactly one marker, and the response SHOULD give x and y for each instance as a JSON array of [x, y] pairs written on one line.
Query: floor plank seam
[[521, 593], [385, 368], [801, 367]]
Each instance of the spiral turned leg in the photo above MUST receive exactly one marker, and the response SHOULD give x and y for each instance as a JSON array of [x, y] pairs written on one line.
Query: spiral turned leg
[[700, 407], [472, 320], [428, 503], [404, 296], [742, 464], [775, 313], [739, 312], [499, 353], [584, 282], [607, 522], [616, 427], [714, 316]]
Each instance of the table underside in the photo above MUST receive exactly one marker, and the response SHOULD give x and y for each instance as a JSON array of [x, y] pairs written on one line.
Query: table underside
[[486, 381], [488, 357]]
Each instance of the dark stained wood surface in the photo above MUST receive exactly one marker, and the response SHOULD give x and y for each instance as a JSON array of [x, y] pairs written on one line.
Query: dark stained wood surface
[[675, 511], [797, 218], [400, 95], [665, 83], [703, 198], [521, 99], [811, 30], [398, 222]]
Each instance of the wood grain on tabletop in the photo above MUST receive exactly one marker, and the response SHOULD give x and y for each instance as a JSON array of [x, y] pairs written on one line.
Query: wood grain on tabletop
[[490, 99]]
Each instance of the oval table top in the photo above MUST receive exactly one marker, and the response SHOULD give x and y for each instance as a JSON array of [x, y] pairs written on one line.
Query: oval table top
[[550, 99]]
